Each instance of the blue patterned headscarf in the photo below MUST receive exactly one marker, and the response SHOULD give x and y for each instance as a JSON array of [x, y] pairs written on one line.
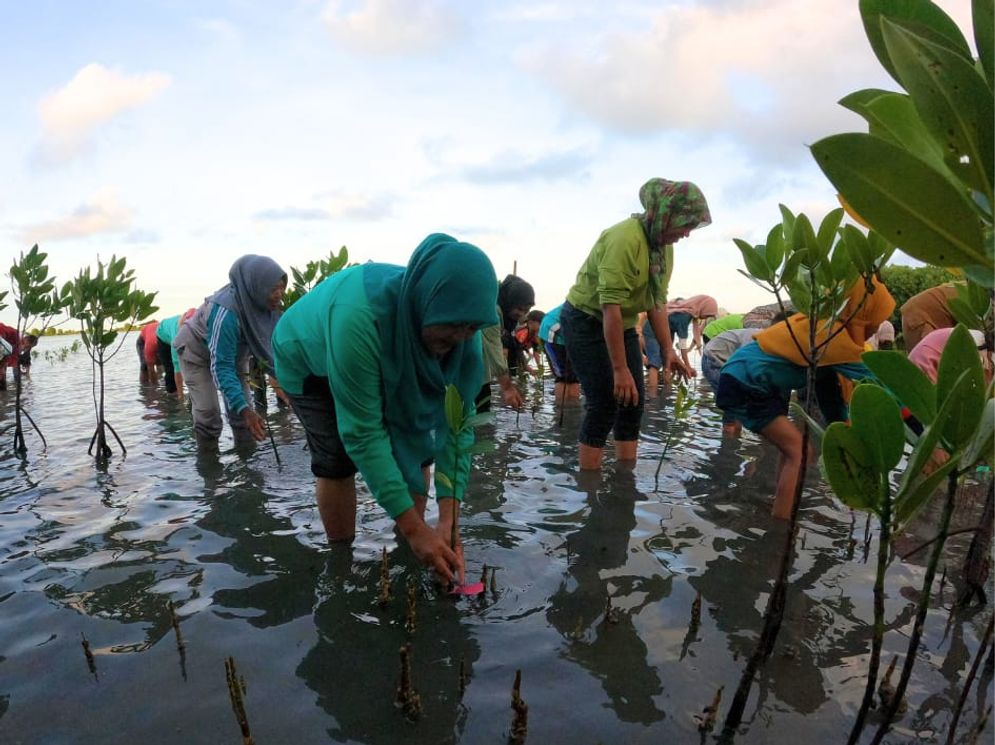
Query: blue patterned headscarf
[[445, 281]]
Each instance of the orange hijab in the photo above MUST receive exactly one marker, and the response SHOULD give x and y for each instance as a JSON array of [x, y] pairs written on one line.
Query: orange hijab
[[845, 347]]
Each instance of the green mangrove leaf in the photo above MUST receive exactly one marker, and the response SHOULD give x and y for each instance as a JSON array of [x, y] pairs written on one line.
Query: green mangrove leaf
[[877, 420], [858, 101], [444, 479], [909, 384], [952, 99], [982, 445], [828, 229], [960, 382], [894, 118], [982, 12], [774, 250], [901, 197], [478, 420], [816, 431], [909, 501], [756, 265], [454, 408], [964, 313], [920, 16], [801, 296], [849, 469]]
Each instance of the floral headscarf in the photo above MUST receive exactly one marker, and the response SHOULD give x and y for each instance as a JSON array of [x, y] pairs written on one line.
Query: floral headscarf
[[669, 206]]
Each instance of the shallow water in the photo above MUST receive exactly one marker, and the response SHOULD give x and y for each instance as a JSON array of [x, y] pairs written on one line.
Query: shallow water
[[237, 545]]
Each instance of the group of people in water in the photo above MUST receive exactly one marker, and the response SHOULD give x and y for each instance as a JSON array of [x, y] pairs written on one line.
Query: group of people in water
[[365, 358]]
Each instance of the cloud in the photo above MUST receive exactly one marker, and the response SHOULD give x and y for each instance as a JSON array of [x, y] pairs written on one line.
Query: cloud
[[292, 213], [102, 214], [361, 206], [764, 72], [94, 96], [219, 29], [512, 167], [392, 26]]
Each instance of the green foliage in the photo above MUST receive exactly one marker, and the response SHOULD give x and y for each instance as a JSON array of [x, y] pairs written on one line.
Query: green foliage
[[923, 174], [461, 426], [304, 280], [958, 413], [104, 299], [35, 295], [62, 353]]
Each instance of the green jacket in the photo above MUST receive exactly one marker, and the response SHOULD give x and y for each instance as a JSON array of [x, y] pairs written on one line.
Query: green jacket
[[616, 272], [331, 332]]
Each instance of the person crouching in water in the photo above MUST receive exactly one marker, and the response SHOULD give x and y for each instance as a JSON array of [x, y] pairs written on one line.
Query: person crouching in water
[[365, 358], [626, 272], [756, 381], [214, 347]]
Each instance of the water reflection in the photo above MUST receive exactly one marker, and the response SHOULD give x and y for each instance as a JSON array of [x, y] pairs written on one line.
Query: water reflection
[[610, 648]]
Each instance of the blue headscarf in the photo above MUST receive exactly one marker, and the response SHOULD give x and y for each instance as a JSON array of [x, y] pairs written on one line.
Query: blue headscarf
[[444, 282]]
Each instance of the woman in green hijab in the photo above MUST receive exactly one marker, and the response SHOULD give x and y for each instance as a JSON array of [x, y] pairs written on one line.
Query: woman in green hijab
[[626, 273], [365, 358]]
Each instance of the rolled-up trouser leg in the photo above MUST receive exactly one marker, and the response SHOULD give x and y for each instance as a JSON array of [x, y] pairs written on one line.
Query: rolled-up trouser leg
[[585, 342]]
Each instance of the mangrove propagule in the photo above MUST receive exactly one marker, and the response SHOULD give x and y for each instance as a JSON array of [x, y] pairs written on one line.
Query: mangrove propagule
[[91, 663], [385, 593], [411, 617], [236, 692], [520, 722], [407, 698]]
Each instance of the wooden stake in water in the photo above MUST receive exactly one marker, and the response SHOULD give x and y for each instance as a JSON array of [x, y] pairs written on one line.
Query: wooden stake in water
[[407, 698], [236, 692], [411, 618], [520, 722], [385, 592], [91, 663]]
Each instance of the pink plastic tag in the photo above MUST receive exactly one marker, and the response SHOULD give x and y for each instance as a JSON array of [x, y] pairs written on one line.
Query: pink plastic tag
[[472, 589]]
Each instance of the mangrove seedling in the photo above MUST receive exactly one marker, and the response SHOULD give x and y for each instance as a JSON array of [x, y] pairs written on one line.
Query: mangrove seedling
[[684, 401], [91, 663], [520, 721], [385, 591], [37, 302], [706, 720], [99, 301], [257, 380], [411, 616], [407, 698], [236, 692], [314, 272]]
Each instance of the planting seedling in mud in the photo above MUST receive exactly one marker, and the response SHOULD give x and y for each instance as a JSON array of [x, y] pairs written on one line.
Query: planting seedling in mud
[[214, 347], [626, 273], [373, 401]]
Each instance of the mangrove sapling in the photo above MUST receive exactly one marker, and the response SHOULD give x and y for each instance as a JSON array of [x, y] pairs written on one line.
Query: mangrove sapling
[[858, 464], [818, 270], [257, 380], [236, 693], [38, 302], [407, 698], [520, 722], [461, 421], [970, 680], [314, 272], [99, 301], [684, 401]]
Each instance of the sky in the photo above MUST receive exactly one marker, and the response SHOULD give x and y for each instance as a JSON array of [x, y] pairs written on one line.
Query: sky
[[183, 134]]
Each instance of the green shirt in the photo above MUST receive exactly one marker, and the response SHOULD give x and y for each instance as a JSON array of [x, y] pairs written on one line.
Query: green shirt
[[495, 360], [726, 323], [338, 310], [616, 272]]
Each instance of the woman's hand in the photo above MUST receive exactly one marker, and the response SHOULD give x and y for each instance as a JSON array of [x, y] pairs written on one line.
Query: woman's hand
[[626, 392], [280, 393], [674, 364], [430, 548], [255, 423]]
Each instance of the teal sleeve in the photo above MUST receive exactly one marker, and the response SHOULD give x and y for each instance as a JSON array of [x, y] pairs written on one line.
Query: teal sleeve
[[356, 380], [495, 363], [223, 334], [617, 269]]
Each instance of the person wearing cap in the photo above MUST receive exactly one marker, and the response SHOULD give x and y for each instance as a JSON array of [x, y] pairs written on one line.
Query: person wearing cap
[[626, 272], [366, 358]]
